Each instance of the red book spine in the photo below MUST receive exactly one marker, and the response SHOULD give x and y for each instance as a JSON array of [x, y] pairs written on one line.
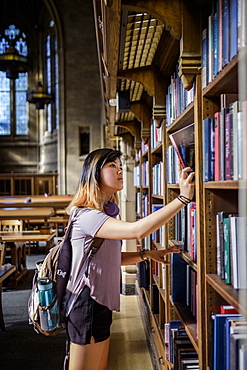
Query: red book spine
[[178, 153], [227, 309]]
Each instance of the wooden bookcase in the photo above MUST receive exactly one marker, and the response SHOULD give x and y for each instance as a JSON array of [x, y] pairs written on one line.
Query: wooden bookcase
[[180, 49], [210, 197]]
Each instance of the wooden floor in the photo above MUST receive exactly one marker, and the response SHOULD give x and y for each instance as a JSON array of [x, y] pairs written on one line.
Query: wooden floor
[[128, 349]]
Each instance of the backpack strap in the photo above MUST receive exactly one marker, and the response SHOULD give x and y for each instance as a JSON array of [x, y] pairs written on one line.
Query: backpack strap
[[90, 253], [69, 224]]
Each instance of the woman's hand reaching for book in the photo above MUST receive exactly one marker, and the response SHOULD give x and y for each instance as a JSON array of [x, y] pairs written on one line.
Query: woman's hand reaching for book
[[186, 182], [159, 255]]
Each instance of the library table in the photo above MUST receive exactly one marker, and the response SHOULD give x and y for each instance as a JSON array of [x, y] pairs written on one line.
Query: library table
[[26, 213], [57, 202], [5, 271], [17, 246]]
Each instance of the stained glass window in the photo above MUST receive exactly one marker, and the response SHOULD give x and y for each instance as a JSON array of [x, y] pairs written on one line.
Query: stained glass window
[[5, 124], [21, 104], [13, 104], [52, 117]]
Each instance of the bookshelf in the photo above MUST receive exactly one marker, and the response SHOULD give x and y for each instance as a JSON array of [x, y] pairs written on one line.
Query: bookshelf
[[182, 64], [210, 197]]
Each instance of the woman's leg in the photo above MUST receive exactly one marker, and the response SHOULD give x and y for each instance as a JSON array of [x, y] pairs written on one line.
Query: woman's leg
[[92, 356]]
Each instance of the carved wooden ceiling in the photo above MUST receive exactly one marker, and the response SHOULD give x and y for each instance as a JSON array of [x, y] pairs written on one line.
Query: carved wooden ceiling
[[139, 43]]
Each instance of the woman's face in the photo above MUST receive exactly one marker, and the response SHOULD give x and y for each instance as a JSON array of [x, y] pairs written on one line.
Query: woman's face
[[111, 177]]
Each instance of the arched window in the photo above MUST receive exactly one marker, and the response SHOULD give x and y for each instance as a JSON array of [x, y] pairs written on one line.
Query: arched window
[[13, 104], [51, 77]]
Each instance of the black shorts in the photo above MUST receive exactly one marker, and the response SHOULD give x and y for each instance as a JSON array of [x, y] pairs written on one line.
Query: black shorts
[[88, 319]]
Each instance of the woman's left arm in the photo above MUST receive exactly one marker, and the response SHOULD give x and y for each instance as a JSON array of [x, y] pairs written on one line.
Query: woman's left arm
[[130, 258]]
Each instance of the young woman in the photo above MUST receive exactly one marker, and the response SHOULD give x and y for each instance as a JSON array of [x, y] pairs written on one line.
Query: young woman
[[94, 296]]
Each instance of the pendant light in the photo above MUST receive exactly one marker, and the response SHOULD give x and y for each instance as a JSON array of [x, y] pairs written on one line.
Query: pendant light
[[14, 53], [39, 97]]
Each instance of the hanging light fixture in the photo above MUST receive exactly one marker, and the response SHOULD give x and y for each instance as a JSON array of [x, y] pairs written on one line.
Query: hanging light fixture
[[39, 97], [14, 53]]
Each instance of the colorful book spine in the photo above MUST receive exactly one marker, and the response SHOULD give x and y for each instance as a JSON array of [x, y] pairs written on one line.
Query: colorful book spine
[[217, 146]]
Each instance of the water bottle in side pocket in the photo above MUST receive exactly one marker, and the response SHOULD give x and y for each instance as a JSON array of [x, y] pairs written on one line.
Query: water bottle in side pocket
[[48, 305]]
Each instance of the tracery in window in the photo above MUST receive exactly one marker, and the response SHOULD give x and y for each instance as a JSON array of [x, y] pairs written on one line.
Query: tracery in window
[[13, 104]]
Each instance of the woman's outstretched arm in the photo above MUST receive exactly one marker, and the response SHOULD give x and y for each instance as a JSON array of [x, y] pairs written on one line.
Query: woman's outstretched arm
[[118, 229]]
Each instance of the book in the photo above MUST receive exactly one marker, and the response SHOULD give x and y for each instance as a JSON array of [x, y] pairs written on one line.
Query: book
[[187, 364], [218, 340], [230, 322], [143, 275], [241, 251], [210, 58], [179, 345], [155, 299], [237, 341], [227, 258], [220, 34], [235, 108], [225, 33], [223, 113], [228, 147], [220, 242], [216, 39], [243, 356], [204, 58], [227, 309], [217, 146], [173, 325], [234, 258], [233, 28], [208, 149], [178, 278], [184, 145]]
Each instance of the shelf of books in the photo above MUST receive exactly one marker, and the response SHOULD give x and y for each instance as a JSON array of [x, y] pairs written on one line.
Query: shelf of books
[[223, 176], [197, 305]]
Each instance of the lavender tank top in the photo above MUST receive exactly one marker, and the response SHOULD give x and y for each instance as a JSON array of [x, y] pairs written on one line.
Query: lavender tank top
[[104, 270]]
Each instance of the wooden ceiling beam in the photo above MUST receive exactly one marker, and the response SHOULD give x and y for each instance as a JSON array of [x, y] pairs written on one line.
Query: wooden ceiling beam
[[169, 12], [143, 113], [190, 44], [154, 83], [134, 127], [179, 18]]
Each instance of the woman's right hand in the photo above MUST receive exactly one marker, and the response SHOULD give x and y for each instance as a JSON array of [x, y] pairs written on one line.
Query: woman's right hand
[[186, 183]]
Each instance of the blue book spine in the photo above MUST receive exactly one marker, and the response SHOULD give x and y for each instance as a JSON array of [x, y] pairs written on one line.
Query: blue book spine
[[233, 28], [219, 350], [226, 34], [174, 324], [206, 149], [216, 41], [178, 288], [212, 149]]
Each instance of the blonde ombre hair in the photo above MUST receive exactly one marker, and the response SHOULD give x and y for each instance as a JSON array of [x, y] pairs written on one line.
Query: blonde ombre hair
[[88, 189]]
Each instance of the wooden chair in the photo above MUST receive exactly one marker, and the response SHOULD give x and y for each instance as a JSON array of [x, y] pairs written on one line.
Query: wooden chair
[[14, 225], [11, 225]]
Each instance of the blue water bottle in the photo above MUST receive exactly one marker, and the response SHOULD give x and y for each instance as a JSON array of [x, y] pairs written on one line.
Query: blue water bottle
[[49, 312]]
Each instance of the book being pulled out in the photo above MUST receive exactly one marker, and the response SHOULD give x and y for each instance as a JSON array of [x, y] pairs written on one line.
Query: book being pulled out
[[184, 145]]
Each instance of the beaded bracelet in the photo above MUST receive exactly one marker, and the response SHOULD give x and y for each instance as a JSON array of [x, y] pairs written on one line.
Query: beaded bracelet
[[184, 199], [143, 256]]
